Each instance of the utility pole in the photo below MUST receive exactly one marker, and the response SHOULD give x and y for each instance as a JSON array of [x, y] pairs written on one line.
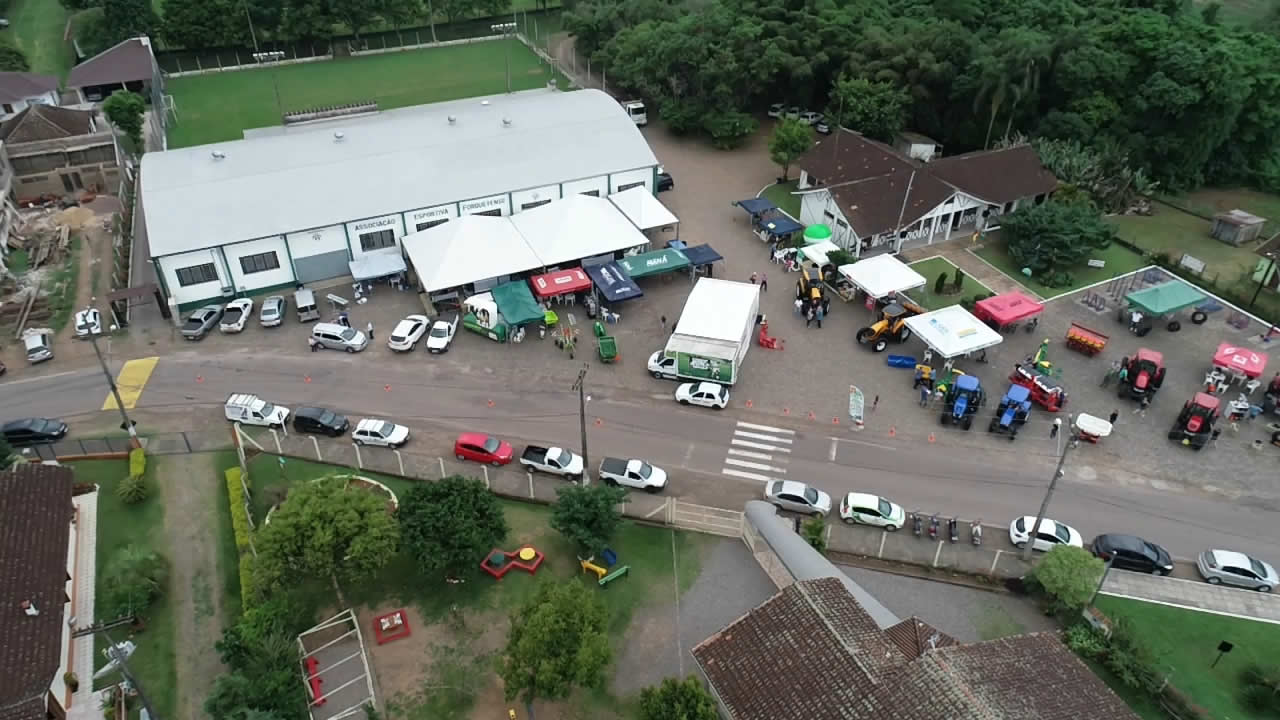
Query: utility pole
[[127, 424], [247, 16], [506, 29], [580, 385], [1025, 555], [118, 655]]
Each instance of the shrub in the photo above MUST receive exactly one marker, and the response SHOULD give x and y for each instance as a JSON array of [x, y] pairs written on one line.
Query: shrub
[[958, 280], [728, 129], [1086, 641], [940, 285], [135, 577], [137, 462], [1068, 575], [814, 532], [132, 489], [240, 527]]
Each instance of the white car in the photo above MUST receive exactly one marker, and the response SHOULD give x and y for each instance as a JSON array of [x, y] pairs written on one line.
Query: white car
[[703, 394], [633, 473], [272, 313], [1227, 567], [792, 113], [88, 322], [407, 333], [809, 117], [380, 433], [797, 497], [441, 335], [872, 510], [776, 110], [1051, 535], [235, 315], [662, 368]]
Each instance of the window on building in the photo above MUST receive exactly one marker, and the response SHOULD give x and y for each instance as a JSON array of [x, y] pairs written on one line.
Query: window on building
[[38, 163], [430, 224], [259, 263], [628, 186], [378, 240], [197, 275], [91, 156], [34, 179], [496, 212], [534, 204], [8, 109], [592, 193]]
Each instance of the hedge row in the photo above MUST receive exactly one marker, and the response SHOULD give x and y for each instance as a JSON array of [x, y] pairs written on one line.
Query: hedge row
[[240, 526], [137, 462]]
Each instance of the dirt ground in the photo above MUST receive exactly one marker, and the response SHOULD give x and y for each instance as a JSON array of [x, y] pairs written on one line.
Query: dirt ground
[[191, 528]]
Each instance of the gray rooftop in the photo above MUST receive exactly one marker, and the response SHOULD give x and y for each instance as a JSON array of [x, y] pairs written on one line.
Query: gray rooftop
[[307, 177]]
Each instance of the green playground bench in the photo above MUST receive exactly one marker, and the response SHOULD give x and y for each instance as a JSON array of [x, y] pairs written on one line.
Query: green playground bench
[[615, 575]]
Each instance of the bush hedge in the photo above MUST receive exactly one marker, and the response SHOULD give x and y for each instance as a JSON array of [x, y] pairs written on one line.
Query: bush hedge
[[240, 526], [137, 462], [1133, 664]]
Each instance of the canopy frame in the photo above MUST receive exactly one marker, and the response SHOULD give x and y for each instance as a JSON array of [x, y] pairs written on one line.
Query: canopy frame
[[882, 275], [953, 331]]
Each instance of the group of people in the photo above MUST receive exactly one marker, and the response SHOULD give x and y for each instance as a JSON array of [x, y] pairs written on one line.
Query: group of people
[[813, 310]]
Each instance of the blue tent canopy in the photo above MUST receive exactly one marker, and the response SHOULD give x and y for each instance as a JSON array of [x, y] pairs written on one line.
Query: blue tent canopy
[[702, 255], [613, 282], [781, 226], [756, 205]]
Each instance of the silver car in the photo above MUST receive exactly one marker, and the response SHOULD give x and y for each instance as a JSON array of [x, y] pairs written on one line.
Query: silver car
[[333, 336], [200, 322], [1227, 567], [272, 313], [797, 497]]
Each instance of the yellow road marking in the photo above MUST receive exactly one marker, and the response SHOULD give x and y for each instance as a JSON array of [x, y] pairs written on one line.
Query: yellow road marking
[[132, 378]]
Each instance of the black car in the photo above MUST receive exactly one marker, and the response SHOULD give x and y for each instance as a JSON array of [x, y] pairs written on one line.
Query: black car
[[1133, 553], [665, 182], [319, 421], [34, 431]]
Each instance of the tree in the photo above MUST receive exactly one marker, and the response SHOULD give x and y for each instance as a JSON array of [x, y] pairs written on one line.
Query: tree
[[261, 655], [587, 516], [126, 19], [814, 531], [675, 699], [325, 529], [356, 15], [124, 109], [400, 13], [450, 525], [12, 59], [558, 641], [203, 23], [1051, 238], [940, 285], [133, 579], [875, 109], [790, 139], [958, 280], [1069, 575]]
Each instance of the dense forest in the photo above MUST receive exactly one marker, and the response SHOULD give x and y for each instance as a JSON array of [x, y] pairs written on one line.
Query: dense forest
[[1164, 84]]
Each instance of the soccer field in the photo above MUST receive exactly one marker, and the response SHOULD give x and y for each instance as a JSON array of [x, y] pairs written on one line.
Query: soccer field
[[220, 106]]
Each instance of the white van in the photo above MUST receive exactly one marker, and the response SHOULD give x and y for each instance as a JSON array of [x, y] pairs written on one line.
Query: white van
[[39, 344], [305, 301], [333, 336], [252, 410]]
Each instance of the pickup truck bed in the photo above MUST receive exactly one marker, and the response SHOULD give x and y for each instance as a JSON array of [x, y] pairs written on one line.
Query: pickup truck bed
[[613, 466], [534, 453]]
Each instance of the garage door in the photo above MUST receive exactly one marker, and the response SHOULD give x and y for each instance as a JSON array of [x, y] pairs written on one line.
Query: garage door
[[321, 267]]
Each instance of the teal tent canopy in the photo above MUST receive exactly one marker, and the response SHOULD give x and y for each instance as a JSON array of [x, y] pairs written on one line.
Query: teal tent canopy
[[654, 263], [516, 303], [1164, 298]]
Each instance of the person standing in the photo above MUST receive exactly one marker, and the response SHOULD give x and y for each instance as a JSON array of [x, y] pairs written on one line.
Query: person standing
[[924, 395], [1213, 437], [764, 282], [1114, 414], [368, 327], [754, 278], [1123, 375], [664, 324], [1057, 425], [808, 318], [799, 307], [820, 313], [875, 403]]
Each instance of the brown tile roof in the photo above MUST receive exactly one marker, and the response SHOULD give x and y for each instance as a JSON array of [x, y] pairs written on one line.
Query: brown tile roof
[[808, 652], [128, 61], [997, 176], [45, 122], [876, 205], [846, 155], [914, 637], [35, 518], [16, 86]]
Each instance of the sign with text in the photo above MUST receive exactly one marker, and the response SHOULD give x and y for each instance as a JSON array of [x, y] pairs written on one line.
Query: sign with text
[[714, 369]]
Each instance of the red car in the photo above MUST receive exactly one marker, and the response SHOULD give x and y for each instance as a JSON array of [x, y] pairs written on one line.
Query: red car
[[483, 448]]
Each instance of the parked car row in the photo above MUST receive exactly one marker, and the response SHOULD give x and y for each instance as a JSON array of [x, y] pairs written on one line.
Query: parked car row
[[793, 112]]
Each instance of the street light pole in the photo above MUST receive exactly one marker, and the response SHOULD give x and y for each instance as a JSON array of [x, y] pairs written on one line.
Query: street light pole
[[1025, 555], [580, 385], [1263, 280], [118, 655], [115, 392], [506, 29]]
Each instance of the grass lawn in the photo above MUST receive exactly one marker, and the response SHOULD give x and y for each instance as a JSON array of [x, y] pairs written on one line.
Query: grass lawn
[[930, 269], [781, 196], [220, 106], [120, 525], [36, 27], [1185, 643], [1119, 260]]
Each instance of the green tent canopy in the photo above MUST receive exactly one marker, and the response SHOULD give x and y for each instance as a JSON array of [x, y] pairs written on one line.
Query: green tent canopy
[[516, 303], [1165, 298], [654, 263], [816, 233]]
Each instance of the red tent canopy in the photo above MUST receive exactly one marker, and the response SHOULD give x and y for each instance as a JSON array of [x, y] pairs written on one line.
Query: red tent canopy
[[560, 282], [1232, 357], [1007, 308]]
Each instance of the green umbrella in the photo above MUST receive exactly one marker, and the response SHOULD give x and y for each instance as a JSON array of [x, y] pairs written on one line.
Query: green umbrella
[[816, 234]]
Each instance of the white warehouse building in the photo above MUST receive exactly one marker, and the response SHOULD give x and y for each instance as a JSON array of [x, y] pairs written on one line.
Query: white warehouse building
[[297, 204]]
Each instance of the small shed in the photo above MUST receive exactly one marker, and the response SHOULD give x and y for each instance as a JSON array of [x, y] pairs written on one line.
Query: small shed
[[1236, 227]]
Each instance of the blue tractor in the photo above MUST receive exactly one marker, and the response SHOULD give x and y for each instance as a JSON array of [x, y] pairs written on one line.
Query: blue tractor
[[1012, 412], [963, 399]]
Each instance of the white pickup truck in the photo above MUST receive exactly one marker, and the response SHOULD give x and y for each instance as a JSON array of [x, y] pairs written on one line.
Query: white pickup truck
[[249, 409], [553, 461], [441, 335], [633, 473]]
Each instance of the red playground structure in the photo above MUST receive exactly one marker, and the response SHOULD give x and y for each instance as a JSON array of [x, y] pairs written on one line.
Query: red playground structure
[[1044, 393], [498, 562], [392, 626], [771, 343]]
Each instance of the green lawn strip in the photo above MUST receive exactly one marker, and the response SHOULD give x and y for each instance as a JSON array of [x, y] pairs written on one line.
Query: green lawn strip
[[1211, 201], [781, 196], [119, 525], [220, 106], [36, 27], [1177, 233], [930, 268], [1118, 258], [1184, 644]]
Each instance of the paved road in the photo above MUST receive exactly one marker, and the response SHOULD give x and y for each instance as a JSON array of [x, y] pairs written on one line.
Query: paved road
[[716, 458]]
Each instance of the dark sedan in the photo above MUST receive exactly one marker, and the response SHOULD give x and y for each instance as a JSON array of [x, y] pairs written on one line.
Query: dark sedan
[[33, 431], [1129, 552], [319, 421]]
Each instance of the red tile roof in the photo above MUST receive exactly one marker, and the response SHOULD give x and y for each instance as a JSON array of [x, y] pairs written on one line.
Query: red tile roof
[[997, 176], [45, 122]]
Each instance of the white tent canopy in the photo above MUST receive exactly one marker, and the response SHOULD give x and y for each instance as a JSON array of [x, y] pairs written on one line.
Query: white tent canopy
[[882, 275], [468, 249], [953, 331], [576, 227], [377, 265], [817, 252], [643, 209]]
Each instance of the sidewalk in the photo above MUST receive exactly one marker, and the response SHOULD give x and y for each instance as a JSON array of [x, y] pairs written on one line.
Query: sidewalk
[[957, 252], [1194, 595], [85, 703]]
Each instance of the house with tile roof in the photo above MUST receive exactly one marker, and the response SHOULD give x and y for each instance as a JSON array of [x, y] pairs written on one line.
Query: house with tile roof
[[812, 653], [60, 150], [20, 89], [878, 198], [127, 65], [37, 534]]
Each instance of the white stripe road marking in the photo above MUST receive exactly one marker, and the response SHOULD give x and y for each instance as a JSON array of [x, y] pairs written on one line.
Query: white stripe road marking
[[761, 436], [754, 466], [759, 446], [835, 444], [766, 428], [746, 475], [748, 453]]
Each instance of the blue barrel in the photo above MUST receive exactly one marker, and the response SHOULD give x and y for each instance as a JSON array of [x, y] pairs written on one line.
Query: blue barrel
[[609, 557], [901, 361]]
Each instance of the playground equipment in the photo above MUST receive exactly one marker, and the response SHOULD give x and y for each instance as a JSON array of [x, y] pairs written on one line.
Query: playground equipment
[[1194, 426], [1047, 395], [1091, 429], [603, 575], [1012, 412], [498, 562], [892, 325], [1040, 361], [588, 566], [963, 399], [1084, 340], [391, 626], [1145, 375]]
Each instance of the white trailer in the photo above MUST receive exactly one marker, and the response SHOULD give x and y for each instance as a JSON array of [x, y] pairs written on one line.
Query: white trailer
[[714, 331]]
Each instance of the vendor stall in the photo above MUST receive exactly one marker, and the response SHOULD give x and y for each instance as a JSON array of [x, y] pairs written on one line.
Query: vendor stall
[[1006, 309], [516, 304], [654, 263], [560, 282], [1157, 301], [579, 226], [817, 252], [953, 331], [714, 331], [776, 229], [1240, 362], [645, 211], [881, 276], [612, 283], [445, 256], [376, 266], [756, 207], [701, 257]]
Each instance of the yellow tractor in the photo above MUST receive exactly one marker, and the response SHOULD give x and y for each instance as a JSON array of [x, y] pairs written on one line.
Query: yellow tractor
[[891, 326]]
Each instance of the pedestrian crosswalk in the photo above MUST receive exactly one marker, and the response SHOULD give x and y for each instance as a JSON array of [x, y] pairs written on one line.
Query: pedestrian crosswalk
[[758, 452]]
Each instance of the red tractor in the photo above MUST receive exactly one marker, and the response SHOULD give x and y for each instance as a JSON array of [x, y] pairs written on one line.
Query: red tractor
[[1144, 374], [1195, 423], [1044, 392]]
